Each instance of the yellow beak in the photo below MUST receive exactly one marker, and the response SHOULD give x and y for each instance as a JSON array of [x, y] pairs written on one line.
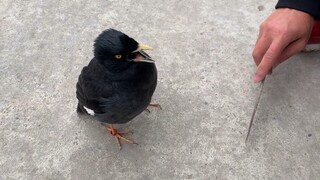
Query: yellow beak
[[143, 47], [146, 57]]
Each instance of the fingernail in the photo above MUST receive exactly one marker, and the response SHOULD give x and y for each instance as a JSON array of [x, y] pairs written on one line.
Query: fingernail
[[257, 78]]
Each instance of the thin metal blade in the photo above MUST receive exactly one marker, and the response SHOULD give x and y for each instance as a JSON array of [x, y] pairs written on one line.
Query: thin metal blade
[[254, 110]]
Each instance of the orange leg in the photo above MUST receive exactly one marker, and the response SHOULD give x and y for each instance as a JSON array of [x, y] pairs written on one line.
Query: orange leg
[[154, 104], [118, 135]]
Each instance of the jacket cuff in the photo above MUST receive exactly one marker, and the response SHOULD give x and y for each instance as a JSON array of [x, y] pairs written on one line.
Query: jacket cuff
[[311, 7]]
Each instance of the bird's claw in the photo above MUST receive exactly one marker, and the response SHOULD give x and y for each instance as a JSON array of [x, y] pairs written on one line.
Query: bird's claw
[[118, 136], [148, 110]]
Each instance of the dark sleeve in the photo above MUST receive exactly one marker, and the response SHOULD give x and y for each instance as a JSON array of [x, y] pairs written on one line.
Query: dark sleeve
[[311, 7]]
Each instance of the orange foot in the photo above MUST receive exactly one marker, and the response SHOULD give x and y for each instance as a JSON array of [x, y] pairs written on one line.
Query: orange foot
[[118, 135]]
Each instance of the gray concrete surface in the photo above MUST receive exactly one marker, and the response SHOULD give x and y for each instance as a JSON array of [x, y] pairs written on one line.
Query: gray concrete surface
[[203, 52]]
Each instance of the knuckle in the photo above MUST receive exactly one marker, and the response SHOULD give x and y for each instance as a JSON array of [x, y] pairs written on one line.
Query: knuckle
[[268, 26], [263, 26], [269, 56], [274, 28], [283, 31]]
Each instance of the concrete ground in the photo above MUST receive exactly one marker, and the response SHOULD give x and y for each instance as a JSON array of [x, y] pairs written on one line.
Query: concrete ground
[[203, 54]]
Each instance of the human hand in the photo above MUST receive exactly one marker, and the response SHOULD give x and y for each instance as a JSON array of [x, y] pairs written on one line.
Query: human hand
[[284, 33]]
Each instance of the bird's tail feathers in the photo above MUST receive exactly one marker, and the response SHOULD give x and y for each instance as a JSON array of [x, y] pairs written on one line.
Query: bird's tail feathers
[[80, 110]]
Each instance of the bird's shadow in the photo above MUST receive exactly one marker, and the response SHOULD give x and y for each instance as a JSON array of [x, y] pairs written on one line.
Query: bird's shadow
[[159, 127]]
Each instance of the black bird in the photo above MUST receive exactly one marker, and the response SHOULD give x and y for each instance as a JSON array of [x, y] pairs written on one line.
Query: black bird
[[118, 83]]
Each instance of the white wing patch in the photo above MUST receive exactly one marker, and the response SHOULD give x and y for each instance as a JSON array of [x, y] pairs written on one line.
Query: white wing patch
[[89, 111]]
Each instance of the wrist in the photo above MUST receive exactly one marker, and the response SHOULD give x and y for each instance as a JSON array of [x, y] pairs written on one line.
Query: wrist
[[296, 12]]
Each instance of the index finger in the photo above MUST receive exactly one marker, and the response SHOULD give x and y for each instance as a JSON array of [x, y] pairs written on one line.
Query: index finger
[[269, 59]]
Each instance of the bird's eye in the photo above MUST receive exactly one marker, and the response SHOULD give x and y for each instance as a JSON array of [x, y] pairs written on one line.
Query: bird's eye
[[118, 56]]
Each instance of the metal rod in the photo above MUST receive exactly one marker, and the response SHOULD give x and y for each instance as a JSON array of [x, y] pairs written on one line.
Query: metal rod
[[254, 110]]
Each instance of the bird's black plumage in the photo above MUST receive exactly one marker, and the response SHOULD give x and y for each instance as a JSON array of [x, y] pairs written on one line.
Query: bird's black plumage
[[115, 87]]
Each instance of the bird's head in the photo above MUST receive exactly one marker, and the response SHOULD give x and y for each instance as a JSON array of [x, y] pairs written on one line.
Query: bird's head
[[116, 48]]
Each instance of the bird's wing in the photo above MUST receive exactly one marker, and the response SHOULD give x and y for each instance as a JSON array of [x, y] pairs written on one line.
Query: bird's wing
[[92, 86]]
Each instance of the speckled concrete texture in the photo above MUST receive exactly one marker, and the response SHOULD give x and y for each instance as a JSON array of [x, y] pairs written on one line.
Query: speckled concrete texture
[[203, 54]]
